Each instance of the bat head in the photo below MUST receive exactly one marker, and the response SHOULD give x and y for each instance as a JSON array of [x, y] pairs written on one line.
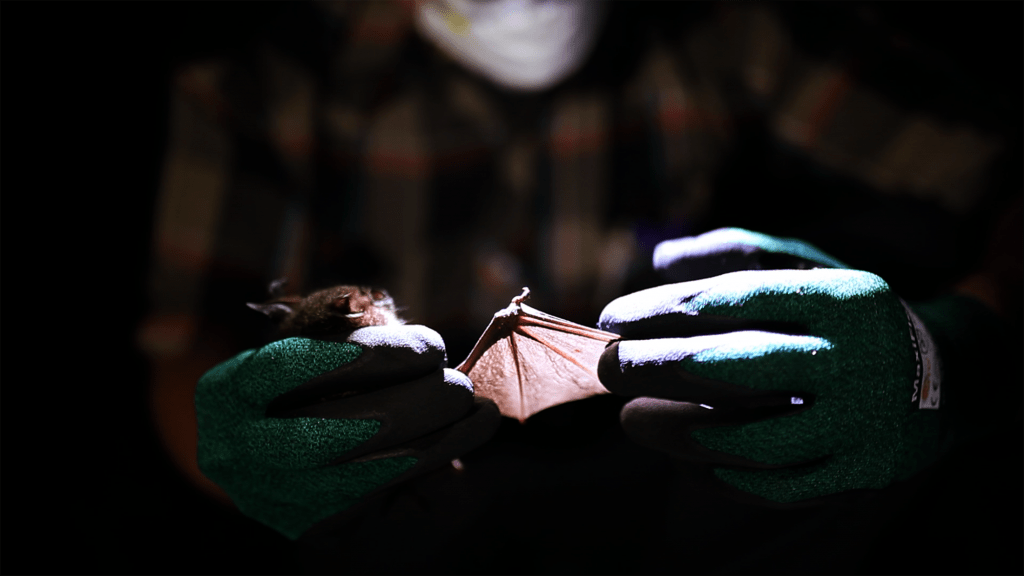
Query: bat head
[[329, 313]]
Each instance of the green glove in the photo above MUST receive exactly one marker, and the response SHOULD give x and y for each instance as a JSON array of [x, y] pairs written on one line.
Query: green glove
[[791, 384], [732, 250], [301, 430]]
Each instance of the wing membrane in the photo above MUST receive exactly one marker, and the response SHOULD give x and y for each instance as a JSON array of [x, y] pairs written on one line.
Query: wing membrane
[[527, 361]]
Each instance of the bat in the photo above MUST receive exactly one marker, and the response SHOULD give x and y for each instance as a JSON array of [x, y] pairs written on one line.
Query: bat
[[527, 360], [328, 314]]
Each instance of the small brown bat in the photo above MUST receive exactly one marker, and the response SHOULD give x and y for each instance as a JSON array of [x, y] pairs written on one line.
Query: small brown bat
[[525, 361], [330, 313]]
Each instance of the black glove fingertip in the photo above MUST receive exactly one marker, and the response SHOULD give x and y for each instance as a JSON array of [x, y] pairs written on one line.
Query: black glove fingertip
[[666, 425], [609, 369]]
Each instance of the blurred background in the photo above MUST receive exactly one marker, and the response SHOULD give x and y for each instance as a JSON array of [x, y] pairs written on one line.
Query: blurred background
[[172, 159]]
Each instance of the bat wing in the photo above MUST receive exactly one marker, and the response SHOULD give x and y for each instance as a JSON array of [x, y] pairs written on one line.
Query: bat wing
[[527, 361]]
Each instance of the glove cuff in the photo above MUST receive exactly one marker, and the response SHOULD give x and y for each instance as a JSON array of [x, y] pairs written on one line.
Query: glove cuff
[[975, 347]]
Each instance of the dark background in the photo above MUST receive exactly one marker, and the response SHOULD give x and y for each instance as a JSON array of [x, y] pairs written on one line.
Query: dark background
[[85, 105]]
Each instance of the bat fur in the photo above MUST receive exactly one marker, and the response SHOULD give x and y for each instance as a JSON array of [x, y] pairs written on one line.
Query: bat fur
[[331, 313]]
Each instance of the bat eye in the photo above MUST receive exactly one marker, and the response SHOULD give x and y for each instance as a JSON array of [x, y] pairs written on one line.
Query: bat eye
[[379, 295]]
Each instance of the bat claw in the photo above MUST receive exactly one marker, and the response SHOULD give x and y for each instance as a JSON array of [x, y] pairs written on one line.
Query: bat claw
[[519, 299]]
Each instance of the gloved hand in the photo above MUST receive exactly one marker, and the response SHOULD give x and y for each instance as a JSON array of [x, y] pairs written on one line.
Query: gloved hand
[[300, 430], [790, 384]]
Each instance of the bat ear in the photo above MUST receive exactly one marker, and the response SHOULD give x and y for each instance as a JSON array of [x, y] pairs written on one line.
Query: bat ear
[[381, 298], [277, 287], [277, 311]]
